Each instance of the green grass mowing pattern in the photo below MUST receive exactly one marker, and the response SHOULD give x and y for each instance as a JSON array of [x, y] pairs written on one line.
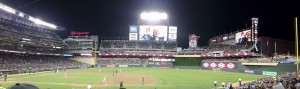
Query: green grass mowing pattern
[[166, 78]]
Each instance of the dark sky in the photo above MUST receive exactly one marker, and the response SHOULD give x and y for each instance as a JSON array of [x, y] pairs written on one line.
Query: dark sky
[[111, 18]]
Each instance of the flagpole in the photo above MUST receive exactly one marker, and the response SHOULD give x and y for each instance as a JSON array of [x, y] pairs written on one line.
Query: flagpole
[[275, 49], [296, 36]]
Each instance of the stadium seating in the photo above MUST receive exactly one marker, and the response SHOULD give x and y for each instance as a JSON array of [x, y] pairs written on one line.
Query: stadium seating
[[225, 48], [121, 61], [137, 47], [23, 63], [283, 81], [16, 37]]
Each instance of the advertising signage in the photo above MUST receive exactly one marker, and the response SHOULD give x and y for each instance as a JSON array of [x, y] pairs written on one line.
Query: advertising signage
[[269, 73]]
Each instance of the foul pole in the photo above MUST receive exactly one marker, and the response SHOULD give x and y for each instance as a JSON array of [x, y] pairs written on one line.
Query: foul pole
[[296, 44]]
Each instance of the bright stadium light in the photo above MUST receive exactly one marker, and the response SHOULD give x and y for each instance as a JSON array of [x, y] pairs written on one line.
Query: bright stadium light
[[21, 14], [8, 9], [154, 16], [38, 21]]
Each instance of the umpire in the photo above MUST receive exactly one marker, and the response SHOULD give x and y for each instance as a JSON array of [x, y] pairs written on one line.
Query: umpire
[[121, 85]]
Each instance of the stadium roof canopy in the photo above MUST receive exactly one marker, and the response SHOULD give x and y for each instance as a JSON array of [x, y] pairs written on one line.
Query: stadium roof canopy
[[30, 18]]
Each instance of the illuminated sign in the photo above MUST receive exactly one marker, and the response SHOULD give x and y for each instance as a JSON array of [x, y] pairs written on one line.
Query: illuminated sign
[[79, 33]]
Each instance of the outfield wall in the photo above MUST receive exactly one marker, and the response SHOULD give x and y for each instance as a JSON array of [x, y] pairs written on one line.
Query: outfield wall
[[187, 61], [280, 68], [88, 60], [256, 69]]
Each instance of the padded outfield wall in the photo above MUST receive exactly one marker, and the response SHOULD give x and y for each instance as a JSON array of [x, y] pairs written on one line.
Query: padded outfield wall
[[280, 68], [187, 62], [196, 63], [253, 69]]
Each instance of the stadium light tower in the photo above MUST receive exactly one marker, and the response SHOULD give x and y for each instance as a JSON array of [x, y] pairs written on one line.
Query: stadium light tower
[[154, 16]]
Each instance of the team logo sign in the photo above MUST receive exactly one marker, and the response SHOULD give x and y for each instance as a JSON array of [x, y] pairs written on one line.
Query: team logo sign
[[221, 65], [213, 65], [205, 64], [230, 65]]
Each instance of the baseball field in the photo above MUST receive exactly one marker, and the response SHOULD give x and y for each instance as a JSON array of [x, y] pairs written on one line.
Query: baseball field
[[154, 78]]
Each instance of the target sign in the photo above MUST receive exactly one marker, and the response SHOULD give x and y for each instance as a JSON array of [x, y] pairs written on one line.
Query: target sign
[[230, 65], [221, 65], [205, 64]]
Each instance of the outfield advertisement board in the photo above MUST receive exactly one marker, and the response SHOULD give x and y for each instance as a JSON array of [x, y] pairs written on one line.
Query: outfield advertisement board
[[286, 62], [123, 65], [229, 65], [249, 71], [269, 73]]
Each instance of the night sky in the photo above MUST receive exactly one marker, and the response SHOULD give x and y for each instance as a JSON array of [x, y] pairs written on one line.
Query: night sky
[[206, 18]]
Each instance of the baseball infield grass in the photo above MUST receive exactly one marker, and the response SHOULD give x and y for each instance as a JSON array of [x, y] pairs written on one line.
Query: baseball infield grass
[[159, 78]]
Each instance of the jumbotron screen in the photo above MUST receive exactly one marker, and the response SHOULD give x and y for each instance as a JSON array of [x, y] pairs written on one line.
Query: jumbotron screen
[[243, 36], [158, 33]]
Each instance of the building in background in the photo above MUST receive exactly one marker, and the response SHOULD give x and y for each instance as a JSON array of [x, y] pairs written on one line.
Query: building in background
[[81, 43]]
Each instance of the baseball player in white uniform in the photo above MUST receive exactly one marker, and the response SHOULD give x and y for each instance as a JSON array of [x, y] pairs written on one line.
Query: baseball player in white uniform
[[104, 79]]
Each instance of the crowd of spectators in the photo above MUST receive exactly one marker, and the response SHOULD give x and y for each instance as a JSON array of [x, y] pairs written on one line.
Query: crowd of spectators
[[17, 34], [226, 48], [121, 61], [250, 60], [24, 63], [222, 59], [137, 47], [26, 30], [277, 59], [190, 52], [138, 44], [283, 81], [125, 51], [4, 45]]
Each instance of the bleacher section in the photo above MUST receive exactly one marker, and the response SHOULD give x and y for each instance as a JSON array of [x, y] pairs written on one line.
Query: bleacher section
[[137, 48], [21, 38]]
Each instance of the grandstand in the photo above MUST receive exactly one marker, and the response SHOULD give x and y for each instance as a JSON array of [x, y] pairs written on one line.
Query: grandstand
[[30, 44], [149, 44], [137, 53], [21, 33]]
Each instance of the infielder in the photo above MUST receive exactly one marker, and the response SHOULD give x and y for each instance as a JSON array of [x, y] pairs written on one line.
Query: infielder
[[66, 73], [104, 79], [89, 86], [223, 84], [215, 84]]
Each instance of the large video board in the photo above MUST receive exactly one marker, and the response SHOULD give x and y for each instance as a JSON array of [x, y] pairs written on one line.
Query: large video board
[[243, 36], [158, 33]]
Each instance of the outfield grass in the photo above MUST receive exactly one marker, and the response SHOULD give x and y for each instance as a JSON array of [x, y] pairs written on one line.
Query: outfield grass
[[165, 78]]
